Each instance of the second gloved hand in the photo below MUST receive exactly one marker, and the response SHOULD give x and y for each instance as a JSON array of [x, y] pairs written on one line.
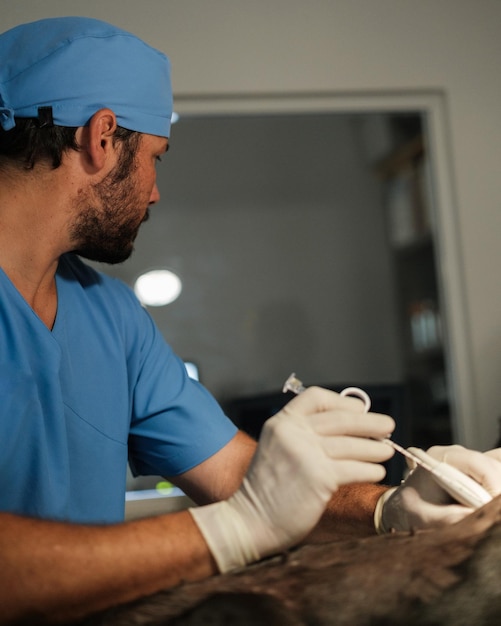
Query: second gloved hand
[[318, 442], [420, 503]]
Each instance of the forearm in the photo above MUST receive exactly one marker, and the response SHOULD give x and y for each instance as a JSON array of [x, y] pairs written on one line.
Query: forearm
[[350, 513], [61, 571]]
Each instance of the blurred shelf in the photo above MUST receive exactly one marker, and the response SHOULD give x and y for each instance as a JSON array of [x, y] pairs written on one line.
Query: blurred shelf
[[409, 220]]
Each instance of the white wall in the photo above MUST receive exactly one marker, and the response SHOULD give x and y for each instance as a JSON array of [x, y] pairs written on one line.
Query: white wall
[[279, 46]]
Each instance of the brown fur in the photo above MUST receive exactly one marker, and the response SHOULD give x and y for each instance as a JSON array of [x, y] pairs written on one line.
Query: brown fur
[[450, 576]]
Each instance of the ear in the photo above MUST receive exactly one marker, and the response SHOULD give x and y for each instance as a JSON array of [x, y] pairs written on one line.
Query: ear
[[99, 141]]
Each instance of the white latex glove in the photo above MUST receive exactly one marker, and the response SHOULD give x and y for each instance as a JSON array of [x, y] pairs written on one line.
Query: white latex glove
[[316, 443], [420, 503]]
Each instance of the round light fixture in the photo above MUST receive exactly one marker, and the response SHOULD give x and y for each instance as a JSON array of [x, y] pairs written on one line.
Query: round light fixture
[[157, 287]]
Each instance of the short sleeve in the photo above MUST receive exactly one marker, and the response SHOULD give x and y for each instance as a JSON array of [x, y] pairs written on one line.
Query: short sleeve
[[176, 423]]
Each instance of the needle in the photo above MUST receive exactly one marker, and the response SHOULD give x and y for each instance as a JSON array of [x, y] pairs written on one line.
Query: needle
[[458, 485]]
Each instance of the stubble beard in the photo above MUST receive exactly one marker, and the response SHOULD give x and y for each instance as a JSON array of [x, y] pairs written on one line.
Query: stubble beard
[[108, 223]]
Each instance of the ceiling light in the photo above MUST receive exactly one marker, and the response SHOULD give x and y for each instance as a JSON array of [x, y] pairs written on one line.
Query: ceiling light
[[157, 287]]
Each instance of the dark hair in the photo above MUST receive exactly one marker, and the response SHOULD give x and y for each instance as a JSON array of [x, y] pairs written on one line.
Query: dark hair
[[29, 142]]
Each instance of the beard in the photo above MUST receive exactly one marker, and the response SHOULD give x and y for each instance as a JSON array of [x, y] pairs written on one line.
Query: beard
[[108, 222]]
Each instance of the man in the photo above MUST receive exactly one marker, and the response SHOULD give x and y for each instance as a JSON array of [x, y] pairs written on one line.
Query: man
[[87, 382]]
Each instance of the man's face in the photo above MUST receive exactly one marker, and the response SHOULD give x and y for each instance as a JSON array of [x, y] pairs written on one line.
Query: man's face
[[112, 212]]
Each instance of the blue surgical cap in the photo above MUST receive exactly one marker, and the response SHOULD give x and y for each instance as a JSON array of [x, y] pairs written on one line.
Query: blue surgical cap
[[78, 65]]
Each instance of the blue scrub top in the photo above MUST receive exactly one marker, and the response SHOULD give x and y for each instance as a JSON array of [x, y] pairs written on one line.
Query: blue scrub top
[[76, 402]]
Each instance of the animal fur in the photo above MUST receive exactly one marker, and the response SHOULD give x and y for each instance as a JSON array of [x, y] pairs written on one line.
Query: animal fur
[[450, 576]]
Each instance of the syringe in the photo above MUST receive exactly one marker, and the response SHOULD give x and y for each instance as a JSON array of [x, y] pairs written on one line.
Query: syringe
[[457, 484]]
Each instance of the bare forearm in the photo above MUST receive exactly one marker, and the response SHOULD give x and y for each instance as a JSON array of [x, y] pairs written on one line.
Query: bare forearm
[[61, 571], [350, 513], [64, 571]]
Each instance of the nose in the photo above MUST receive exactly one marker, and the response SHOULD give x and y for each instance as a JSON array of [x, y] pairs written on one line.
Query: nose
[[155, 194]]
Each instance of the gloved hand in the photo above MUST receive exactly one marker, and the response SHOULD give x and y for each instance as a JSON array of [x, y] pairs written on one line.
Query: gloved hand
[[316, 443], [420, 503]]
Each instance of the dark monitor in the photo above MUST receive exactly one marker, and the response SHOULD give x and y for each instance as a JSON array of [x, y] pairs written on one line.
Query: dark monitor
[[250, 413]]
